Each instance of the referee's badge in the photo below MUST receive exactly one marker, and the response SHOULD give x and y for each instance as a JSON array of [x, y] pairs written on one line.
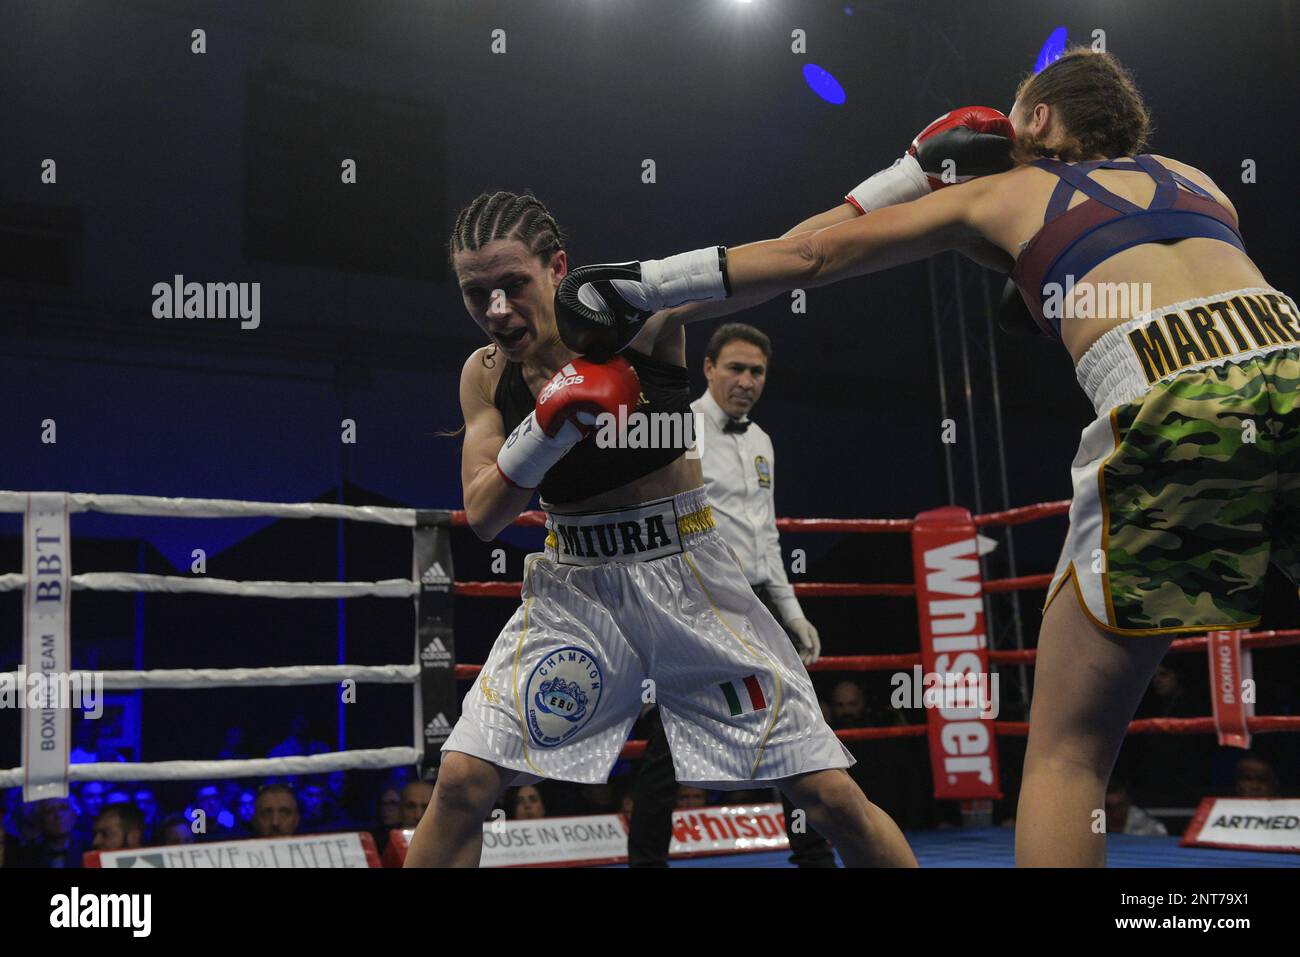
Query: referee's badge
[[764, 471]]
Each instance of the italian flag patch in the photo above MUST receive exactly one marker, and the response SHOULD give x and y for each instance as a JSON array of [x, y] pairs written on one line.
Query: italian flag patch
[[744, 696]]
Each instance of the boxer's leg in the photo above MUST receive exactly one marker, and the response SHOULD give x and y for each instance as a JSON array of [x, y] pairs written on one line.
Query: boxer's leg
[[450, 834], [1087, 684], [807, 847], [864, 835]]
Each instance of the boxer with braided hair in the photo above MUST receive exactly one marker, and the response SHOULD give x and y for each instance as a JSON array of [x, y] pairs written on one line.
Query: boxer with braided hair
[[635, 592]]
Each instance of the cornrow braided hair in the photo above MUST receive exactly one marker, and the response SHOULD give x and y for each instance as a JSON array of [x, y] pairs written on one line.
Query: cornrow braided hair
[[506, 215]]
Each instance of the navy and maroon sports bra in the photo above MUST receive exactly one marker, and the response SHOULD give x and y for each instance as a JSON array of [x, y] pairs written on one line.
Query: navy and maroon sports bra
[[1073, 241]]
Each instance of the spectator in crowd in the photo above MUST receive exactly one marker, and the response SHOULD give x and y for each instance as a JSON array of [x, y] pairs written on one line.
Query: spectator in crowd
[[175, 829], [245, 810], [56, 846], [1125, 817], [335, 786], [826, 710], [5, 841], [312, 808], [527, 804], [217, 824], [1256, 778], [90, 799], [119, 827], [276, 811], [688, 796], [848, 705], [230, 791], [148, 804], [207, 798], [415, 798], [320, 811], [1167, 697], [24, 820]]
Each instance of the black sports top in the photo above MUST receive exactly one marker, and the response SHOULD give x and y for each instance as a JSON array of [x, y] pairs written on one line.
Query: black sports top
[[588, 469]]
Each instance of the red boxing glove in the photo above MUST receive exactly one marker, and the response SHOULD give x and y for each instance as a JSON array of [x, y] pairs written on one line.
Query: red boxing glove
[[960, 145], [583, 389], [566, 411], [963, 144]]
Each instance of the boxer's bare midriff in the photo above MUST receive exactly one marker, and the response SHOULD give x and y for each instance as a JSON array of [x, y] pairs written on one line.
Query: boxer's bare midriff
[[1190, 269], [680, 475]]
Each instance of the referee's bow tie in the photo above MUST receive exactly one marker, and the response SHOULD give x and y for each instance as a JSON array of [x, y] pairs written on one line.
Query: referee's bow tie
[[736, 425]]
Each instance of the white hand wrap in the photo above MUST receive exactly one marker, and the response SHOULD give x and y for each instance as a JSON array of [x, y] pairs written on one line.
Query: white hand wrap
[[900, 183], [686, 277], [529, 452]]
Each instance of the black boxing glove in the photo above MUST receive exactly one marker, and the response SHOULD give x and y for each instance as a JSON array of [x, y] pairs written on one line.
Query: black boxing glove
[[599, 309], [1014, 317]]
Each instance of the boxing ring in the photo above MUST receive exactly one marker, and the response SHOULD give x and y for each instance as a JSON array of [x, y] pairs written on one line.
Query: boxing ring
[[947, 587]]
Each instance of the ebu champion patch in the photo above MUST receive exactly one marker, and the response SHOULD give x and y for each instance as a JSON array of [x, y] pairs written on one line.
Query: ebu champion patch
[[562, 695]]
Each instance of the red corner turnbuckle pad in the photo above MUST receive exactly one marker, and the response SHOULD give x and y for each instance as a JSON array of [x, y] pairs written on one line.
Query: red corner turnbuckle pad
[[954, 681]]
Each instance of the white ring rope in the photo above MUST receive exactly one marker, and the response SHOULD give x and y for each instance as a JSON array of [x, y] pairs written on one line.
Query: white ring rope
[[249, 677], [362, 759], [216, 508], [138, 581], [366, 759]]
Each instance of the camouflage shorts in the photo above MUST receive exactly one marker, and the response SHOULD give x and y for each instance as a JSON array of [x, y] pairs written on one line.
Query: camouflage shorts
[[1184, 495]]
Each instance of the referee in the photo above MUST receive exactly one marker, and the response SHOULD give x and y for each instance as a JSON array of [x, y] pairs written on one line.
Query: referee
[[738, 472]]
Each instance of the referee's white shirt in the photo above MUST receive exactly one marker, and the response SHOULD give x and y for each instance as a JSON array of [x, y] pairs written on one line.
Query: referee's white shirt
[[738, 473]]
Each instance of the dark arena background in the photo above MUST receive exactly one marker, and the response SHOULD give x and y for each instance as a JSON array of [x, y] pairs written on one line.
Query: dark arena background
[[322, 150]]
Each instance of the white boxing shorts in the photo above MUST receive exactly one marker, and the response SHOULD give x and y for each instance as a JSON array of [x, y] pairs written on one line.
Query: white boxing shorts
[[638, 605]]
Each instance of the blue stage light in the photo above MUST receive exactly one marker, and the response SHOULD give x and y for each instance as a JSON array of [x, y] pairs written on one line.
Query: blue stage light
[[1052, 49], [823, 84]]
